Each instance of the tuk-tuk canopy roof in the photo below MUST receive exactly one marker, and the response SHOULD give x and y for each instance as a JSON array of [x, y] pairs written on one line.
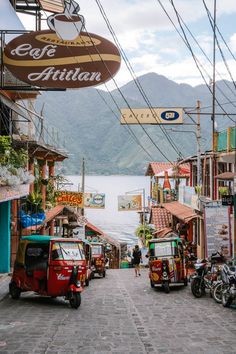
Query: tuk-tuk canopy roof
[[96, 243], [166, 239], [47, 239]]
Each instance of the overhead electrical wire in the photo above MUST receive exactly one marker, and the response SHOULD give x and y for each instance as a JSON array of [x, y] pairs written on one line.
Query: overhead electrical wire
[[125, 100], [127, 127], [136, 80], [195, 58], [112, 78], [185, 40], [209, 60], [218, 44]]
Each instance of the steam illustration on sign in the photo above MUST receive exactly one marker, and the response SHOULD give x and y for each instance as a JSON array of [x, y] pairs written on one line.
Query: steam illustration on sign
[[65, 56], [68, 24]]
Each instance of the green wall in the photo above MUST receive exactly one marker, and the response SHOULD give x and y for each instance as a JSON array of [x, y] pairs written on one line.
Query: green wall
[[5, 250]]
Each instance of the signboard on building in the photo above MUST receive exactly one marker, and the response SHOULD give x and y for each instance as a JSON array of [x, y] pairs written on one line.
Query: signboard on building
[[10, 193], [152, 116], [130, 202], [227, 200], [74, 199], [188, 197], [63, 56], [217, 229], [94, 200]]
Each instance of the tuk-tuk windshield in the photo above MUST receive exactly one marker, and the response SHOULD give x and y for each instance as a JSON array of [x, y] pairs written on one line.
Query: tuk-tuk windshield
[[67, 251], [96, 250], [164, 249]]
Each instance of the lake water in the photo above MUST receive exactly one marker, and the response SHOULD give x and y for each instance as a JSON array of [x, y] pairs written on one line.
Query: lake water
[[120, 225]]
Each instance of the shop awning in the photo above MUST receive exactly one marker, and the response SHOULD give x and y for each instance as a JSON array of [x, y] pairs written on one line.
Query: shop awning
[[94, 228], [182, 212], [226, 176]]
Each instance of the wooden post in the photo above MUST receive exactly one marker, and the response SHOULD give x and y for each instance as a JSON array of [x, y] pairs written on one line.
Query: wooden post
[[31, 169]]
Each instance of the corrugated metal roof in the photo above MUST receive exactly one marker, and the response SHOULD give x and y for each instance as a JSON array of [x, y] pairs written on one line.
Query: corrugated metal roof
[[182, 212]]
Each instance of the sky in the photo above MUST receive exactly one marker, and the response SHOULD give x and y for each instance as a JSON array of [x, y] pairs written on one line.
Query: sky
[[151, 42]]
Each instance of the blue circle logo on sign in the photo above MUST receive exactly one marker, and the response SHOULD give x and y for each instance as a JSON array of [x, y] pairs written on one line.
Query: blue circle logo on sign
[[170, 115]]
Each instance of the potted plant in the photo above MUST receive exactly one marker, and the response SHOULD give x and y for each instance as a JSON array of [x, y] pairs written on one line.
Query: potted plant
[[223, 190]]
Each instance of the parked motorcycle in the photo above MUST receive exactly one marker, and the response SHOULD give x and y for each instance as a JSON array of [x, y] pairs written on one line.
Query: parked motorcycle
[[228, 275], [206, 276]]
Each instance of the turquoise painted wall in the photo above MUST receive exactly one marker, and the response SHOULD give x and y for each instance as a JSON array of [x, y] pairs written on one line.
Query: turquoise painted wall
[[5, 237]]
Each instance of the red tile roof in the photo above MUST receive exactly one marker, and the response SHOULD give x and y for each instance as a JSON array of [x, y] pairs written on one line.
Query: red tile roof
[[155, 168], [182, 212], [160, 217]]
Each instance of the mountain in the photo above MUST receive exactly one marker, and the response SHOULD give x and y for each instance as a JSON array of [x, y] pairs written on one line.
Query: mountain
[[89, 121]]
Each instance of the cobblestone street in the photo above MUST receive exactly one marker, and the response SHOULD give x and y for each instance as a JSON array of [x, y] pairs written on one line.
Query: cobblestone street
[[118, 314]]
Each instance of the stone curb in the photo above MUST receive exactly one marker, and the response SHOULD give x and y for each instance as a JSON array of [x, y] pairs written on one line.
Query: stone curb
[[4, 283]]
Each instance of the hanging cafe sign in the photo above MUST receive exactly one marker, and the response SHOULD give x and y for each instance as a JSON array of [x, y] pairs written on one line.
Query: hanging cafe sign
[[74, 199], [63, 56]]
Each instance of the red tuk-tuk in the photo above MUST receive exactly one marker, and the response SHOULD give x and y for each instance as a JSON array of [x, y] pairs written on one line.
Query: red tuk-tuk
[[98, 259], [49, 266], [167, 262]]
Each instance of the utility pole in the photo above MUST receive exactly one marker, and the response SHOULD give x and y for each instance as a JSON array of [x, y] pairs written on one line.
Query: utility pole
[[199, 166], [214, 77], [212, 161], [82, 182]]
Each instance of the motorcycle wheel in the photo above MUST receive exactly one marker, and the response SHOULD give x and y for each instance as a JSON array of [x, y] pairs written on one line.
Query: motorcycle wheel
[[226, 299], [75, 300], [196, 288], [166, 287], [87, 282], [14, 291], [104, 274], [217, 293], [186, 282]]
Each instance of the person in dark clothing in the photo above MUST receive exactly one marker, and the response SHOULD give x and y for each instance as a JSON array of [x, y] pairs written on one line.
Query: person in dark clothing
[[137, 257]]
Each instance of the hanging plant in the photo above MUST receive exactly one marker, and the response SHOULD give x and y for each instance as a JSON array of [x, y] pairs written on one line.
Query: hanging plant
[[223, 190]]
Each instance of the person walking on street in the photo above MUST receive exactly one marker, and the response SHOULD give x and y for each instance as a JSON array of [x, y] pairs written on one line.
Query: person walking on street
[[137, 258]]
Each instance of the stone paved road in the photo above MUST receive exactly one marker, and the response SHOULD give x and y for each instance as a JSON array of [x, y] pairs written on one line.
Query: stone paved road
[[118, 314]]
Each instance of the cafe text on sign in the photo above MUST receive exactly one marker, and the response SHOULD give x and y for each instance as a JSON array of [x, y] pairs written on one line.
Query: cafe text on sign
[[70, 198], [63, 56]]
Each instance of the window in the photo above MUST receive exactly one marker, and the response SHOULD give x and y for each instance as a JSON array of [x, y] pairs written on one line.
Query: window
[[96, 250], [68, 251], [164, 249]]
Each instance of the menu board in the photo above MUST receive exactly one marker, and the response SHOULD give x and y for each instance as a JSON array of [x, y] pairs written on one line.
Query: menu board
[[217, 230]]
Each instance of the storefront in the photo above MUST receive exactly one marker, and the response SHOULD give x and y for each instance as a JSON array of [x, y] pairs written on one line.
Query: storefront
[[7, 196]]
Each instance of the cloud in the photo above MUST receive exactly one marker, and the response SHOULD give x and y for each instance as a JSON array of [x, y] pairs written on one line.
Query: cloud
[[150, 40]]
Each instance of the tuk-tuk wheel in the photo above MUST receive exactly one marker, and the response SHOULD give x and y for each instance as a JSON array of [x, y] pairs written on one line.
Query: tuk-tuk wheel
[[166, 287], [151, 284], [104, 274], [87, 282], [14, 291], [75, 300]]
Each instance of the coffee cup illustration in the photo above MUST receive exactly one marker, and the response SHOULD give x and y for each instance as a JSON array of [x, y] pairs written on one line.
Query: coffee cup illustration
[[68, 24]]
